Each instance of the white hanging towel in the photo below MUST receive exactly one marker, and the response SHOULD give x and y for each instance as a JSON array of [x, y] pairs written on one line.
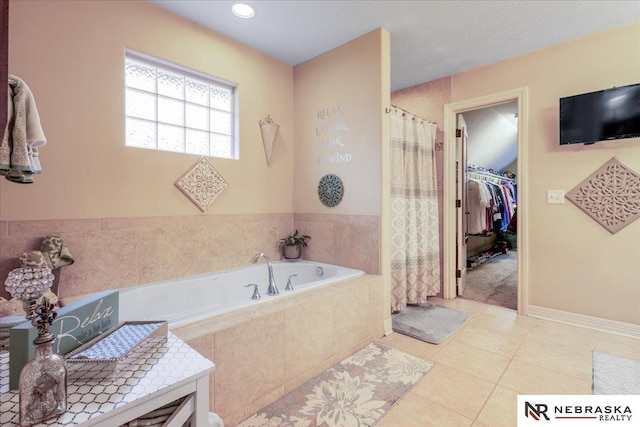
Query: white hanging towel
[[23, 134]]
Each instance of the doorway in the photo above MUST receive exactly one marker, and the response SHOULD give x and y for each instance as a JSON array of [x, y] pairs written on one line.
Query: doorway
[[487, 183], [454, 238]]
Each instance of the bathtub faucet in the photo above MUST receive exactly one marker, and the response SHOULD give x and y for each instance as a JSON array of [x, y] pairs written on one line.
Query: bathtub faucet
[[273, 289]]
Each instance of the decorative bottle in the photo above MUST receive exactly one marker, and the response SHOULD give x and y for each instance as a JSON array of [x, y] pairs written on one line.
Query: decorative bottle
[[43, 380]]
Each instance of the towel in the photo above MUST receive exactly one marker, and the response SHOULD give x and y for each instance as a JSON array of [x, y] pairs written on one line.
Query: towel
[[55, 249], [53, 254], [23, 135]]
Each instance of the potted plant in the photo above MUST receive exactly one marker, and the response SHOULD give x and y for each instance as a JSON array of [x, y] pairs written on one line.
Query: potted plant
[[293, 244]]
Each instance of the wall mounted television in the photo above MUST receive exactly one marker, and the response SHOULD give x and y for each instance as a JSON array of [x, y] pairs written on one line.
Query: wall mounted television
[[600, 116]]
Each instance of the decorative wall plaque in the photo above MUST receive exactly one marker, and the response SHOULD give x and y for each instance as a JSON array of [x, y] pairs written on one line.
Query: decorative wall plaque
[[330, 190], [202, 184], [269, 130], [610, 196]]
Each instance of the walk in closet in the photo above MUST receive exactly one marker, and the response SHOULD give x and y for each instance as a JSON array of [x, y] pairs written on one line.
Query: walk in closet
[[491, 205], [491, 200]]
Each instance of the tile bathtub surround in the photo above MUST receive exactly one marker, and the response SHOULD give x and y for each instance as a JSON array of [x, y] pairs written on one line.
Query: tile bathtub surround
[[347, 240], [113, 253], [263, 352]]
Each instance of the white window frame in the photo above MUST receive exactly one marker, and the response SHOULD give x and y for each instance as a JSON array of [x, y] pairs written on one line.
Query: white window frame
[[185, 72]]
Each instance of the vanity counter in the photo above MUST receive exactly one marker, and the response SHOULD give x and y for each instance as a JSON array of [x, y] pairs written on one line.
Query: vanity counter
[[169, 371]]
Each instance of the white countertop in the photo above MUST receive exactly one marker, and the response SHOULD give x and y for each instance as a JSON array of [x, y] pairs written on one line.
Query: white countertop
[[155, 378]]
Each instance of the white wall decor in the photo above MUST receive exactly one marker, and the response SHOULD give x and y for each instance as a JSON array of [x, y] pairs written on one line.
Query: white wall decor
[[332, 129], [269, 130], [202, 184], [610, 195]]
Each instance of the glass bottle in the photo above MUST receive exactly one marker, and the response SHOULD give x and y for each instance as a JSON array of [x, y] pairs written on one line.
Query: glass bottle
[[43, 380]]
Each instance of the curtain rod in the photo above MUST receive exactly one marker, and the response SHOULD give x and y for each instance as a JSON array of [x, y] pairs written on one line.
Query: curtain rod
[[388, 110]]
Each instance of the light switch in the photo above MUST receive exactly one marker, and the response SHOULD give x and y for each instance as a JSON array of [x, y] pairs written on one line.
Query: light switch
[[555, 197]]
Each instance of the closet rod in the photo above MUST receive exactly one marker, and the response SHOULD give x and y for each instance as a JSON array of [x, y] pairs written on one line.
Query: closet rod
[[481, 175], [388, 110]]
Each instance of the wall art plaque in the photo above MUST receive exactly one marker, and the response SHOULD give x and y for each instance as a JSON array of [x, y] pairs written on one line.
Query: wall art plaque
[[202, 184], [330, 190], [610, 196]]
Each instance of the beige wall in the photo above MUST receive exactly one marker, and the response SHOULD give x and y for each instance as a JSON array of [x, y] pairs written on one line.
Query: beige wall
[[342, 86], [574, 264], [117, 208], [71, 54], [340, 97]]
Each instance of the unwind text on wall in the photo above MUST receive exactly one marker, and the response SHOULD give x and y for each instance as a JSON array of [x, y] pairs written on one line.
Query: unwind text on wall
[[331, 130]]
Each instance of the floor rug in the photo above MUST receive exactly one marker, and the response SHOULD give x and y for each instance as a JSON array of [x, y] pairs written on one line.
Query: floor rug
[[495, 282], [615, 375], [428, 322], [358, 391]]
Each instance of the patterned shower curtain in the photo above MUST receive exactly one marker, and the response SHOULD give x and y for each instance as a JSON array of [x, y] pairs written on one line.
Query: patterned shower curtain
[[415, 248]]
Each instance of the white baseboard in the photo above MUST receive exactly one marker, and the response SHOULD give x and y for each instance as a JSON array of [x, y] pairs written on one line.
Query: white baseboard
[[597, 323]]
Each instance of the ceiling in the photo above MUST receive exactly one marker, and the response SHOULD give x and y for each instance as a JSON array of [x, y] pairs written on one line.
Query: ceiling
[[493, 136], [429, 39]]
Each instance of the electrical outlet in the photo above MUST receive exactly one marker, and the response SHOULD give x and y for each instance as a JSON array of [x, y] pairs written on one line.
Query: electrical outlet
[[555, 197]]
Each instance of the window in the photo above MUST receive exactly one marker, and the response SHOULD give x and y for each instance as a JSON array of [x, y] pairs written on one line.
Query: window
[[171, 108]]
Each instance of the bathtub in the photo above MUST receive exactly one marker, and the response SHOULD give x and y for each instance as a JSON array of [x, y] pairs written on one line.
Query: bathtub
[[190, 299]]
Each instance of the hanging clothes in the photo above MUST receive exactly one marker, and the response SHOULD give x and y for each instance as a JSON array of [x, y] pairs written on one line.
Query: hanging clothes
[[479, 199], [491, 201]]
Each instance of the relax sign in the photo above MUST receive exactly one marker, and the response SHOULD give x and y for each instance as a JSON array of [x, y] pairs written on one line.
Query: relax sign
[[75, 324]]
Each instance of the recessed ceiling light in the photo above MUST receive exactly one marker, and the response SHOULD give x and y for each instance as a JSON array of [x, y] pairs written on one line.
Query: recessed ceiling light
[[243, 10]]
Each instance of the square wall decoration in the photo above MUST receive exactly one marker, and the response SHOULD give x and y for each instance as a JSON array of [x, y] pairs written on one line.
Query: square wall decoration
[[202, 184], [610, 195]]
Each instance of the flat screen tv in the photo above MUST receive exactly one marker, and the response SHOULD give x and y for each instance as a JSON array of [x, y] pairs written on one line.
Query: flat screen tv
[[600, 116]]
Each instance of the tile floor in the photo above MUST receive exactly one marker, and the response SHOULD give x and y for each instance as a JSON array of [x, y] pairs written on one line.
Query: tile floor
[[497, 355]]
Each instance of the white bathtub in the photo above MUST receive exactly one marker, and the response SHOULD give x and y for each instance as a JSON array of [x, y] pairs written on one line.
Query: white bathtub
[[189, 299]]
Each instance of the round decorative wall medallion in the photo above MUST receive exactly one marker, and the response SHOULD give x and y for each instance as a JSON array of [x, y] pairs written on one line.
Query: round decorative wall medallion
[[330, 190]]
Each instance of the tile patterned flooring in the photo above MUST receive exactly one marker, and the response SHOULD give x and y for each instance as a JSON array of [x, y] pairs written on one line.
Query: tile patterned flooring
[[497, 355]]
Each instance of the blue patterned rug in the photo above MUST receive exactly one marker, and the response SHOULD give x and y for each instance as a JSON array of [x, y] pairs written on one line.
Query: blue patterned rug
[[358, 391]]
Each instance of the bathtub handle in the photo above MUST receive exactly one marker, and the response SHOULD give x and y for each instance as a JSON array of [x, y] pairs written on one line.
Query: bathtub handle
[[289, 286], [256, 294]]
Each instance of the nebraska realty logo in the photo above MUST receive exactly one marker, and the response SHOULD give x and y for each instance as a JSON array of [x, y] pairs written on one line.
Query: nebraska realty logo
[[578, 410]]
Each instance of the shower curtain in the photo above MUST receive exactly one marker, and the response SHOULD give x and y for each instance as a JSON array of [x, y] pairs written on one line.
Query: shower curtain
[[415, 248]]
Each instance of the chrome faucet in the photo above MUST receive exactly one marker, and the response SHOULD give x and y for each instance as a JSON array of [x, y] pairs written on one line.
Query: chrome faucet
[[289, 286], [273, 289], [256, 294]]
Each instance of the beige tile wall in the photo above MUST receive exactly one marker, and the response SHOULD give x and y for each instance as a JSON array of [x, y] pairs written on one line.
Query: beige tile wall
[[261, 354], [112, 253], [346, 240]]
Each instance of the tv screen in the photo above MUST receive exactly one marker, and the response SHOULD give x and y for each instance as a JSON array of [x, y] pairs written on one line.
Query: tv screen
[[600, 116]]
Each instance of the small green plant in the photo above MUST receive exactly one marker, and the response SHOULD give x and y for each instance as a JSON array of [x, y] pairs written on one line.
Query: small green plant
[[295, 239]]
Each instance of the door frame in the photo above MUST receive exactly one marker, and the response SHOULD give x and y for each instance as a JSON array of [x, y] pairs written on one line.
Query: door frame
[[449, 215], [461, 213]]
